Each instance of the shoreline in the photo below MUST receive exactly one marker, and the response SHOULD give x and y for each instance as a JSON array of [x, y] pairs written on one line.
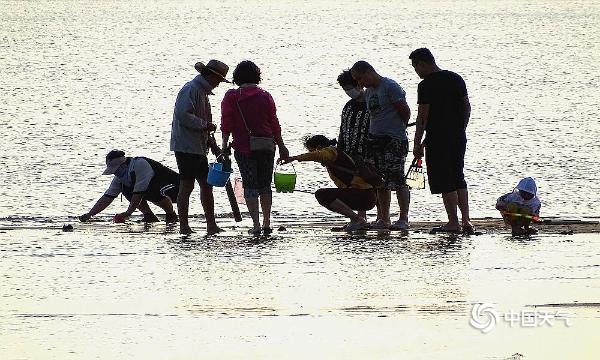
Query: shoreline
[[487, 225]]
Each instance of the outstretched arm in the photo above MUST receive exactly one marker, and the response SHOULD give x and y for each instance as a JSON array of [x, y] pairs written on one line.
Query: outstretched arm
[[98, 207], [323, 155]]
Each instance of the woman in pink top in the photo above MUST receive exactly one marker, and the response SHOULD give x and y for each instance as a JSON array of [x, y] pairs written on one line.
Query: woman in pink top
[[252, 109]]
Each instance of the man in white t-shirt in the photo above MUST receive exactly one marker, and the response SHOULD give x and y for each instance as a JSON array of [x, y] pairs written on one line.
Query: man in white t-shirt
[[140, 180], [387, 145]]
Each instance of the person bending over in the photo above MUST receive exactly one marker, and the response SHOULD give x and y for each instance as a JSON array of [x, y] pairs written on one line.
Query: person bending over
[[353, 193], [141, 180]]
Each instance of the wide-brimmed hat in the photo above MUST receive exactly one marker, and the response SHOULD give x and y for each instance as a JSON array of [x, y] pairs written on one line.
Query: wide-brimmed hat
[[216, 67], [114, 159], [528, 185]]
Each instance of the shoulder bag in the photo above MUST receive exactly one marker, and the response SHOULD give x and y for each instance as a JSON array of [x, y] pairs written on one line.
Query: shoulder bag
[[257, 143]]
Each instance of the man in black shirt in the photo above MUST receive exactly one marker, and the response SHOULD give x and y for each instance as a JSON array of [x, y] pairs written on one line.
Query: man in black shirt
[[354, 127], [443, 115]]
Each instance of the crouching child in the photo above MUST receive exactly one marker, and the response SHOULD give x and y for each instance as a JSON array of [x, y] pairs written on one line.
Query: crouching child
[[520, 207]]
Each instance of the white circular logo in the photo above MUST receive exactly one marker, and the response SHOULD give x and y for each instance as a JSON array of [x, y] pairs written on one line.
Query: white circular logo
[[483, 317]]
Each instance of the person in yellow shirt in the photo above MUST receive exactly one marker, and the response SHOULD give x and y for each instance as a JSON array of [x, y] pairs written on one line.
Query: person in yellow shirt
[[353, 193]]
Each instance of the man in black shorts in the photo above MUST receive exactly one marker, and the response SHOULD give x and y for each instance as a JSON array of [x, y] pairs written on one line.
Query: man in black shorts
[[444, 111], [190, 140], [141, 180]]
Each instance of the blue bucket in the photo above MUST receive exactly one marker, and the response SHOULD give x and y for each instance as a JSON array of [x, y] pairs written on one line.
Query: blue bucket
[[216, 176]]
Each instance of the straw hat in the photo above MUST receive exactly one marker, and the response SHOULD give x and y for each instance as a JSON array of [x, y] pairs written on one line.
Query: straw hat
[[216, 67]]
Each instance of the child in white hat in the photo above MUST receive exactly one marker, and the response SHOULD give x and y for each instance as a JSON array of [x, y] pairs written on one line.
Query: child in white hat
[[520, 207]]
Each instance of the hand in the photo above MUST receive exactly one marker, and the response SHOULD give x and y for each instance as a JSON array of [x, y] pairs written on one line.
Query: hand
[[283, 153], [210, 127], [120, 218], [84, 217], [418, 151], [215, 149], [226, 150], [285, 160]]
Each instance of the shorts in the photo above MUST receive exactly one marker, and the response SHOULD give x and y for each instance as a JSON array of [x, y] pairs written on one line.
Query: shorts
[[356, 199], [191, 166], [445, 161], [156, 192], [256, 169], [388, 156]]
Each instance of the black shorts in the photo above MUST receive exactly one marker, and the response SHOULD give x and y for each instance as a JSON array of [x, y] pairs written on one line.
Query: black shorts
[[356, 199], [445, 161], [156, 192], [191, 166]]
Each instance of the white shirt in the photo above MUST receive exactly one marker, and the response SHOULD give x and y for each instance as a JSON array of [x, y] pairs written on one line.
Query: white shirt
[[143, 175], [533, 204]]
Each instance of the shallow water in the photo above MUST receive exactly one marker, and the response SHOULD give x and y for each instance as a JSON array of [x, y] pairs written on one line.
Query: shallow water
[[144, 292], [81, 78]]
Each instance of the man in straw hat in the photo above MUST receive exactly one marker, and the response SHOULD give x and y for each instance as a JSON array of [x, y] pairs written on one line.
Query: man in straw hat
[[190, 140]]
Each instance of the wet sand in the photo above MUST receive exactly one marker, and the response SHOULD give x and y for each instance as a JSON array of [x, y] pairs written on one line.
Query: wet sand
[[486, 225]]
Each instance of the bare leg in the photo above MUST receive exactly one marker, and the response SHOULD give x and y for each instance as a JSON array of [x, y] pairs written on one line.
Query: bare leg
[[266, 200], [149, 216], [463, 205], [183, 203], [145, 208], [208, 204], [451, 203], [383, 205], [341, 208], [166, 205], [403, 196], [517, 229], [252, 204]]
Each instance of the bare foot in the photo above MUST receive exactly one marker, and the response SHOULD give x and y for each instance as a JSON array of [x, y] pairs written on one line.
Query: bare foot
[[171, 218], [255, 231], [468, 228], [448, 228], [185, 230], [518, 232], [150, 218], [213, 230]]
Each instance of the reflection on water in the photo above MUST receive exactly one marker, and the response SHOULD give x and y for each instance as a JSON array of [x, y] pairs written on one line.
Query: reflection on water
[[117, 280]]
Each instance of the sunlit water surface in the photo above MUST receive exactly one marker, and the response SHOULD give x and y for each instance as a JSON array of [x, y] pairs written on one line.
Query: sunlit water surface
[[80, 78]]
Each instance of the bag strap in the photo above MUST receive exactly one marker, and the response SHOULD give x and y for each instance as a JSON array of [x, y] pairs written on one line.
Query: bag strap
[[237, 101]]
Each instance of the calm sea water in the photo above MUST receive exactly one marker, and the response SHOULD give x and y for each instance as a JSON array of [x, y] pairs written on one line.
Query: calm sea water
[[80, 78]]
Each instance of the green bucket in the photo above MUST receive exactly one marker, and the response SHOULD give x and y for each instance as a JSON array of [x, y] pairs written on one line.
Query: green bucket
[[284, 181]]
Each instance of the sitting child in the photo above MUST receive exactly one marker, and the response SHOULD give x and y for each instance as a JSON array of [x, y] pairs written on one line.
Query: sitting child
[[520, 206]]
